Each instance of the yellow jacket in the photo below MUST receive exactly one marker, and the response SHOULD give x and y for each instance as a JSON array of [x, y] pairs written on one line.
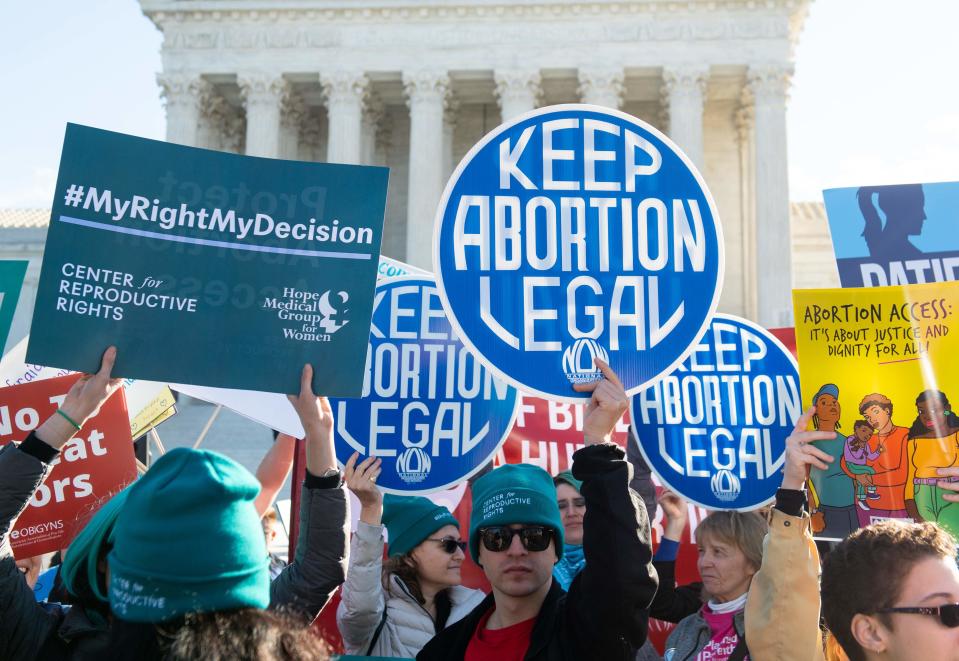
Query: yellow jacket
[[782, 609]]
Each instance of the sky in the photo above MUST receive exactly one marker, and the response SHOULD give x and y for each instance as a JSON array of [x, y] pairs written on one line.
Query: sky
[[874, 98]]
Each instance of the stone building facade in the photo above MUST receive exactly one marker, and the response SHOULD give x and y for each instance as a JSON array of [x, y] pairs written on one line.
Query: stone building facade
[[413, 84]]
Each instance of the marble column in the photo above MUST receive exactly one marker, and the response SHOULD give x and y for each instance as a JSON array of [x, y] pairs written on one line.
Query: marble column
[[684, 90], [744, 122], [768, 86], [449, 132], [602, 87], [426, 93], [517, 91], [293, 112], [181, 93], [372, 118], [211, 107], [262, 97], [345, 93]]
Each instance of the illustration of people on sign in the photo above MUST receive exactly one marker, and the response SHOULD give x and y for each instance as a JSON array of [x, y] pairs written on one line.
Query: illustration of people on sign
[[904, 209], [832, 491], [890, 467], [933, 443], [858, 455]]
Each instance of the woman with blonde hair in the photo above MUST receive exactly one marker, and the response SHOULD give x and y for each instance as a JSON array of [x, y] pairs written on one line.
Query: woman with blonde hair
[[730, 553]]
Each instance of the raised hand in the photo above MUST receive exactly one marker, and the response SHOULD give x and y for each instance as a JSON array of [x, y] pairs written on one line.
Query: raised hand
[[361, 480], [605, 407], [801, 454], [952, 471], [676, 511], [316, 416], [83, 401]]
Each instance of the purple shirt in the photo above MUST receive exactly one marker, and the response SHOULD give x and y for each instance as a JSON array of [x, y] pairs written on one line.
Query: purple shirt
[[854, 456]]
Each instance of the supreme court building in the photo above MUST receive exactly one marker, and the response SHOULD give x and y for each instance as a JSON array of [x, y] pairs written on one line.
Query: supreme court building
[[413, 84]]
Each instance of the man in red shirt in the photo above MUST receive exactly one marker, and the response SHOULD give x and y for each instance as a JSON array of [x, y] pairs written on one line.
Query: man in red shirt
[[516, 536]]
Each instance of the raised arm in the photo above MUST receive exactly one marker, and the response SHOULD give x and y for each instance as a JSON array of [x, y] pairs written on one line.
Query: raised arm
[[319, 563], [607, 603], [782, 609], [24, 625], [273, 471], [672, 603], [363, 603]]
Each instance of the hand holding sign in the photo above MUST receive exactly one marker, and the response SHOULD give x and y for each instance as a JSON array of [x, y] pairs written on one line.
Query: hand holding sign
[[948, 483], [801, 454], [606, 406], [82, 402], [316, 416]]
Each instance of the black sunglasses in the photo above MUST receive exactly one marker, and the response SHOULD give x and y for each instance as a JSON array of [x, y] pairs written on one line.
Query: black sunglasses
[[948, 614], [449, 544], [499, 538]]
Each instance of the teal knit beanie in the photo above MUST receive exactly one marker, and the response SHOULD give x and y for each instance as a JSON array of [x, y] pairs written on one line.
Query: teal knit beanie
[[567, 477], [411, 519], [83, 555], [189, 540], [511, 494]]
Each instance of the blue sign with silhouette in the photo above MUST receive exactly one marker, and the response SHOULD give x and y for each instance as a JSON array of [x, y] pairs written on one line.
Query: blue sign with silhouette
[[714, 431], [430, 410], [572, 233], [895, 235]]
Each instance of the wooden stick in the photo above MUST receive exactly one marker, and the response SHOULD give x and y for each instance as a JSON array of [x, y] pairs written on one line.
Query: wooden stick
[[209, 423]]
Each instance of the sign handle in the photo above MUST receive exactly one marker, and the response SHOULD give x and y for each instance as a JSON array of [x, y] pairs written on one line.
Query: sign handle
[[209, 423], [156, 440]]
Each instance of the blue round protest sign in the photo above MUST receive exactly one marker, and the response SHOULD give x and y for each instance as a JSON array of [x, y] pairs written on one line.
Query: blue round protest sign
[[575, 232], [429, 410], [714, 431]]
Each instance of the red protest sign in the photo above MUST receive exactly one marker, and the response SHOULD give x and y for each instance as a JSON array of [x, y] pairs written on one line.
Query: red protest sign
[[547, 433], [94, 464]]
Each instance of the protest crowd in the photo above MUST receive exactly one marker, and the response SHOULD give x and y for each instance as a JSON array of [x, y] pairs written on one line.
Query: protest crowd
[[569, 559], [709, 506]]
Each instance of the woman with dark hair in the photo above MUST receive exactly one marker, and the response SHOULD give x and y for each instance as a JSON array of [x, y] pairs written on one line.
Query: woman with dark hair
[[903, 205], [394, 609], [933, 443]]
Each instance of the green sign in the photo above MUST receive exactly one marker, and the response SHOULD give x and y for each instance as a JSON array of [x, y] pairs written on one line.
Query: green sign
[[11, 280], [208, 268]]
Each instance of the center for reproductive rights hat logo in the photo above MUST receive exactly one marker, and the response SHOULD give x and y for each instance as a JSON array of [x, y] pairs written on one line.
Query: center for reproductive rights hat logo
[[572, 233]]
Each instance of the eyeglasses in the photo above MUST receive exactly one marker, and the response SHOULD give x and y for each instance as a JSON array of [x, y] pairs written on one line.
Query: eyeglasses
[[948, 614], [449, 544], [575, 502], [498, 538]]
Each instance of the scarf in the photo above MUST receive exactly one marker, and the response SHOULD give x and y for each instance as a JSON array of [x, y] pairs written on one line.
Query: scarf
[[571, 564]]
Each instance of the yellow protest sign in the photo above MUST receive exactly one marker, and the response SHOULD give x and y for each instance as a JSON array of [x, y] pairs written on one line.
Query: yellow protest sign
[[879, 364], [152, 412], [163, 417]]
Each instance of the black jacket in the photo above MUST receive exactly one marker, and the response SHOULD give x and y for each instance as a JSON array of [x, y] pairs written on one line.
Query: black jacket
[[29, 630], [604, 615], [673, 603]]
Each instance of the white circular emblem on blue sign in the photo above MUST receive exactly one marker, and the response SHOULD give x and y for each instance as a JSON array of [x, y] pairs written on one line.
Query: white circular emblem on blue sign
[[430, 410], [714, 431], [575, 232]]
